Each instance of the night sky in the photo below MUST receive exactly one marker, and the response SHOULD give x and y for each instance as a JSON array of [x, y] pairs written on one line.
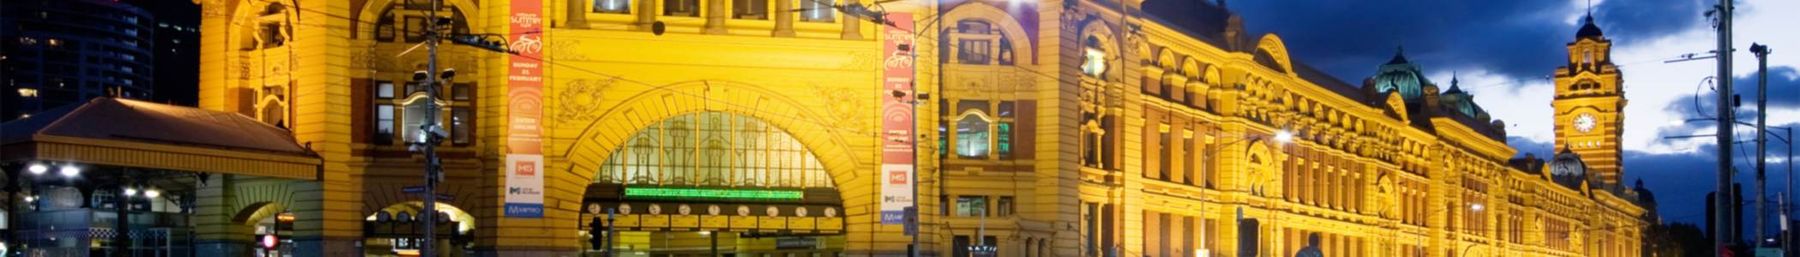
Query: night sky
[[1505, 51]]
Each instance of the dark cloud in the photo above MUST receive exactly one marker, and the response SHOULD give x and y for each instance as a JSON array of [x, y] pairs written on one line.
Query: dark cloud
[[1642, 20], [1521, 40]]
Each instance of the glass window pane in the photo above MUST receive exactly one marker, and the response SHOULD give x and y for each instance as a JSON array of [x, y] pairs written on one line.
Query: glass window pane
[[460, 92], [384, 89], [384, 124], [415, 116], [689, 8], [972, 137], [462, 122], [1003, 139], [817, 10], [612, 6], [750, 9]]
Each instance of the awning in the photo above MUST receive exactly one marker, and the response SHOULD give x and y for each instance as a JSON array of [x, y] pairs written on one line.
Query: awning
[[136, 134]]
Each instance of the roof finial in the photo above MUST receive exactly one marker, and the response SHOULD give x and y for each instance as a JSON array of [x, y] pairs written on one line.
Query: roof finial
[[1452, 78], [1590, 11]]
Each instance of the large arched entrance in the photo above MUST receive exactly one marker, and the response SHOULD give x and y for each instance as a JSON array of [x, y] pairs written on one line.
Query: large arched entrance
[[395, 230], [713, 182]]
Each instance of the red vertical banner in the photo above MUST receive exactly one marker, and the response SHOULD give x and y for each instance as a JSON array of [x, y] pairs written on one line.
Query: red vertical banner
[[897, 119], [524, 96]]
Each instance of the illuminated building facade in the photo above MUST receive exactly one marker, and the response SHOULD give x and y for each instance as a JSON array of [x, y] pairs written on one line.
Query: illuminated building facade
[[1046, 128]]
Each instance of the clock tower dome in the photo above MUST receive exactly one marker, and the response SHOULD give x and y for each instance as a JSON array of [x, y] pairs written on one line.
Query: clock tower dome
[[1589, 104]]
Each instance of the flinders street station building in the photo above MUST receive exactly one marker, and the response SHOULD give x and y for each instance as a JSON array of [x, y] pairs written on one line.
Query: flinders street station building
[[1011, 128]]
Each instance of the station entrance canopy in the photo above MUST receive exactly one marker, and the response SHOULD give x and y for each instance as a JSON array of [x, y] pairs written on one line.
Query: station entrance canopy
[[137, 134]]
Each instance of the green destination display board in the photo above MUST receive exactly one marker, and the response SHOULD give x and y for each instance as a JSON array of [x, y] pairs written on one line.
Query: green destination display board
[[715, 194]]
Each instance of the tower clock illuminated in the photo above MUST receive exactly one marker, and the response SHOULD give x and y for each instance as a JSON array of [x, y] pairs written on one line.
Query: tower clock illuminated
[[1584, 123]]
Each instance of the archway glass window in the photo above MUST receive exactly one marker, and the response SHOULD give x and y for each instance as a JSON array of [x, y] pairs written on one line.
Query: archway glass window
[[714, 149], [972, 136]]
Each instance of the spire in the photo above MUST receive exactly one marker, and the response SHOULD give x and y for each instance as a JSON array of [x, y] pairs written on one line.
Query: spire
[[1588, 29], [1399, 55], [1453, 84]]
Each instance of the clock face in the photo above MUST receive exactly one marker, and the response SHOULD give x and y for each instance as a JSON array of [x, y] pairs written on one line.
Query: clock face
[[1585, 123]]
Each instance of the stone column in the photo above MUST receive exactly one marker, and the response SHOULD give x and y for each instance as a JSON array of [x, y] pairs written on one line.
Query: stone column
[[577, 12], [646, 14], [715, 17], [215, 233], [784, 18], [853, 27]]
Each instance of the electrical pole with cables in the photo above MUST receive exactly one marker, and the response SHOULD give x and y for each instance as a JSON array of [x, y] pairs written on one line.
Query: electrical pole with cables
[[1722, 204], [1762, 141]]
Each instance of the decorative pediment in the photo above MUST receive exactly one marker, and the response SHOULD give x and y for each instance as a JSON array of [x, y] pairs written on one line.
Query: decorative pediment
[[1396, 104]]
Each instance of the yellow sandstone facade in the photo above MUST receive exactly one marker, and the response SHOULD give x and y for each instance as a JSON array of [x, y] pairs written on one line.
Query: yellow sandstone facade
[[1046, 128]]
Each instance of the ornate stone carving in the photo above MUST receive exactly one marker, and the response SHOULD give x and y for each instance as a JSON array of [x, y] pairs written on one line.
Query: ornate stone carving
[[847, 109], [566, 50], [581, 99]]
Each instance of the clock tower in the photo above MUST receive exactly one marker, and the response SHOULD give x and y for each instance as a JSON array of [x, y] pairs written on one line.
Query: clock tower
[[1589, 104]]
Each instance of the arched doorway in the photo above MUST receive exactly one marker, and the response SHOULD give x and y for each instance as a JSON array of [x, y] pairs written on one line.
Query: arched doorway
[[713, 182], [395, 230]]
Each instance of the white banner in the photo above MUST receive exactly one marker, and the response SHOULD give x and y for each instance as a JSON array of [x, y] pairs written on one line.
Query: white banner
[[524, 186]]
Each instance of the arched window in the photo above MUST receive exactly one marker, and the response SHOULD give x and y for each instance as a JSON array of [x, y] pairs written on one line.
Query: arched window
[[612, 6], [714, 149], [1094, 58], [972, 136]]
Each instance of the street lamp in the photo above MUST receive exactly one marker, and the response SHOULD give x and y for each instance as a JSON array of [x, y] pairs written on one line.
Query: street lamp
[[38, 168], [1477, 207], [69, 171], [1284, 136], [152, 193]]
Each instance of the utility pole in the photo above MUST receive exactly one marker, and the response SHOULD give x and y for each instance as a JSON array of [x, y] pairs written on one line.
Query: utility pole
[[1762, 141], [427, 140], [1722, 203]]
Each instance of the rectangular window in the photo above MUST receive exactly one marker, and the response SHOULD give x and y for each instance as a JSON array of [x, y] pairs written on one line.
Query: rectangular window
[[1005, 206], [612, 6], [750, 9], [460, 92], [817, 10], [1006, 109], [689, 8], [384, 124], [1162, 144], [384, 89], [462, 125], [384, 29], [971, 206], [973, 51], [415, 29], [1003, 139], [1187, 147]]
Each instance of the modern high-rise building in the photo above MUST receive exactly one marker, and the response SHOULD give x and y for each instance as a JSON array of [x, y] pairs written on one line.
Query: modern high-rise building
[[824, 128], [60, 52]]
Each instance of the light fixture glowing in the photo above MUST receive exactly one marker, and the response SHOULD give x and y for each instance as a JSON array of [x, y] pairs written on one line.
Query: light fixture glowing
[[1477, 207], [69, 171], [1284, 136], [131, 191], [38, 168], [152, 193]]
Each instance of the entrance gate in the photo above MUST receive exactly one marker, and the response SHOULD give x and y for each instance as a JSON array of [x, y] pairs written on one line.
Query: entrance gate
[[713, 182]]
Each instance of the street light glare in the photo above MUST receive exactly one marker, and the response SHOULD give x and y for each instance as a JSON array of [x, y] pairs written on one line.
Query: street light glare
[[1477, 207], [38, 168], [130, 191], [152, 193], [1284, 136], [69, 171]]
